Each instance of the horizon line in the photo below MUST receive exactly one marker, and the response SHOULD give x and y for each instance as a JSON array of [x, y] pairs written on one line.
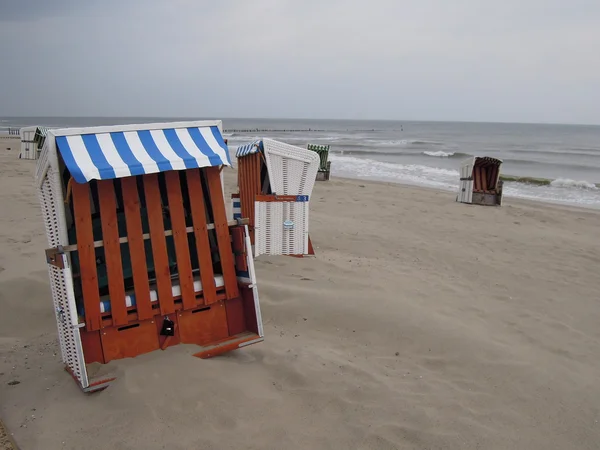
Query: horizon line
[[302, 118]]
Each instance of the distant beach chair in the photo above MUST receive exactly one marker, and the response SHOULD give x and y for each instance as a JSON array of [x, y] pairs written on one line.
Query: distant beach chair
[[141, 254], [324, 165], [480, 182], [275, 181], [29, 148]]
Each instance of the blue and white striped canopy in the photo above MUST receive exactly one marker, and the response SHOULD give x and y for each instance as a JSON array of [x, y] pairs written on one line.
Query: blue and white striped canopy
[[249, 149], [118, 154]]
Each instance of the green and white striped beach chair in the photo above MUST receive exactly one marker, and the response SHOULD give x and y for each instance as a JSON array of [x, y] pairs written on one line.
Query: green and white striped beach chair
[[324, 165]]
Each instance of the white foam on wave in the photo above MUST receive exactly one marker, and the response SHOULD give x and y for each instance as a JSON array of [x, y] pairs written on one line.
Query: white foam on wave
[[568, 183], [439, 154], [400, 142], [400, 173], [388, 143], [582, 197]]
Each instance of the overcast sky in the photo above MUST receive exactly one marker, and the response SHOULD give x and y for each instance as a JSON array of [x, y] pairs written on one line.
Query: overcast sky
[[479, 60]]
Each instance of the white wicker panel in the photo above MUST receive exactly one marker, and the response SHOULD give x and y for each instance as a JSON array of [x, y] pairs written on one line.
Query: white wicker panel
[[42, 163], [252, 274], [61, 281], [68, 332], [49, 211], [281, 228], [292, 170]]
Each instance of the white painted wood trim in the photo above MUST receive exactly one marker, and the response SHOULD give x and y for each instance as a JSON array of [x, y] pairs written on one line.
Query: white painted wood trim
[[135, 127]]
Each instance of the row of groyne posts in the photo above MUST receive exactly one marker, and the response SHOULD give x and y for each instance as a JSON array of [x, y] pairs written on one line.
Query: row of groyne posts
[[279, 130], [268, 130], [13, 131]]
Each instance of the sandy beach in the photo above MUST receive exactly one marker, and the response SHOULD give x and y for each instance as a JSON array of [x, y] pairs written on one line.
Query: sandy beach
[[421, 324], [10, 144]]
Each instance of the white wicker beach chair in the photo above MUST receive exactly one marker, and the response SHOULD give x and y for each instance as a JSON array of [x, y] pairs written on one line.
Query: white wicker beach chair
[[277, 206]]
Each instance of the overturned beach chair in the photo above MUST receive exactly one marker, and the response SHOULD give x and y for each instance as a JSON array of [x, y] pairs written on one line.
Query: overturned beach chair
[[275, 181], [480, 182], [324, 164], [142, 256]]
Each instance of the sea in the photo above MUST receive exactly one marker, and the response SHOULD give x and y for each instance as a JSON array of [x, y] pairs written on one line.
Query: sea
[[561, 163]]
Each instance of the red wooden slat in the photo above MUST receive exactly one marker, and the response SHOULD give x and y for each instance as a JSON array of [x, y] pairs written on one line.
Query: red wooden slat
[[222, 231], [477, 175], [484, 183], [182, 250], [137, 251], [236, 320], [112, 251], [91, 346], [87, 255], [242, 184], [239, 247], [245, 189], [198, 208], [159, 244], [493, 173]]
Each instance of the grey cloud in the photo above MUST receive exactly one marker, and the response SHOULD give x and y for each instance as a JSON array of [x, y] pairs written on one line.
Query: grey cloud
[[517, 60], [28, 10], [33, 10]]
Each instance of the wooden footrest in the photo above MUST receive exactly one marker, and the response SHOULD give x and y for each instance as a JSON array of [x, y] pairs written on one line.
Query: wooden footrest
[[231, 343]]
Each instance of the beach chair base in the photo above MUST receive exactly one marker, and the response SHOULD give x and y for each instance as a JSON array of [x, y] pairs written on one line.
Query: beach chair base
[[95, 384], [324, 172], [323, 176], [311, 250], [207, 351], [486, 199]]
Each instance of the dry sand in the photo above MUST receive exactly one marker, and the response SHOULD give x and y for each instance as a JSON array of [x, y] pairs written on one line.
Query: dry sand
[[421, 324], [10, 144]]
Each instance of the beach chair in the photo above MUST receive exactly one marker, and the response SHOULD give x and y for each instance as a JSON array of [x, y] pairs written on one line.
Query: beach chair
[[480, 182], [28, 145], [275, 181], [141, 254], [324, 165]]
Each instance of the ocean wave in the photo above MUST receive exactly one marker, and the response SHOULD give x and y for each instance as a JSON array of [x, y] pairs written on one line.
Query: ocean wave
[[393, 142], [418, 142], [538, 164], [414, 174], [383, 143], [439, 154], [568, 183], [560, 190], [567, 152]]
